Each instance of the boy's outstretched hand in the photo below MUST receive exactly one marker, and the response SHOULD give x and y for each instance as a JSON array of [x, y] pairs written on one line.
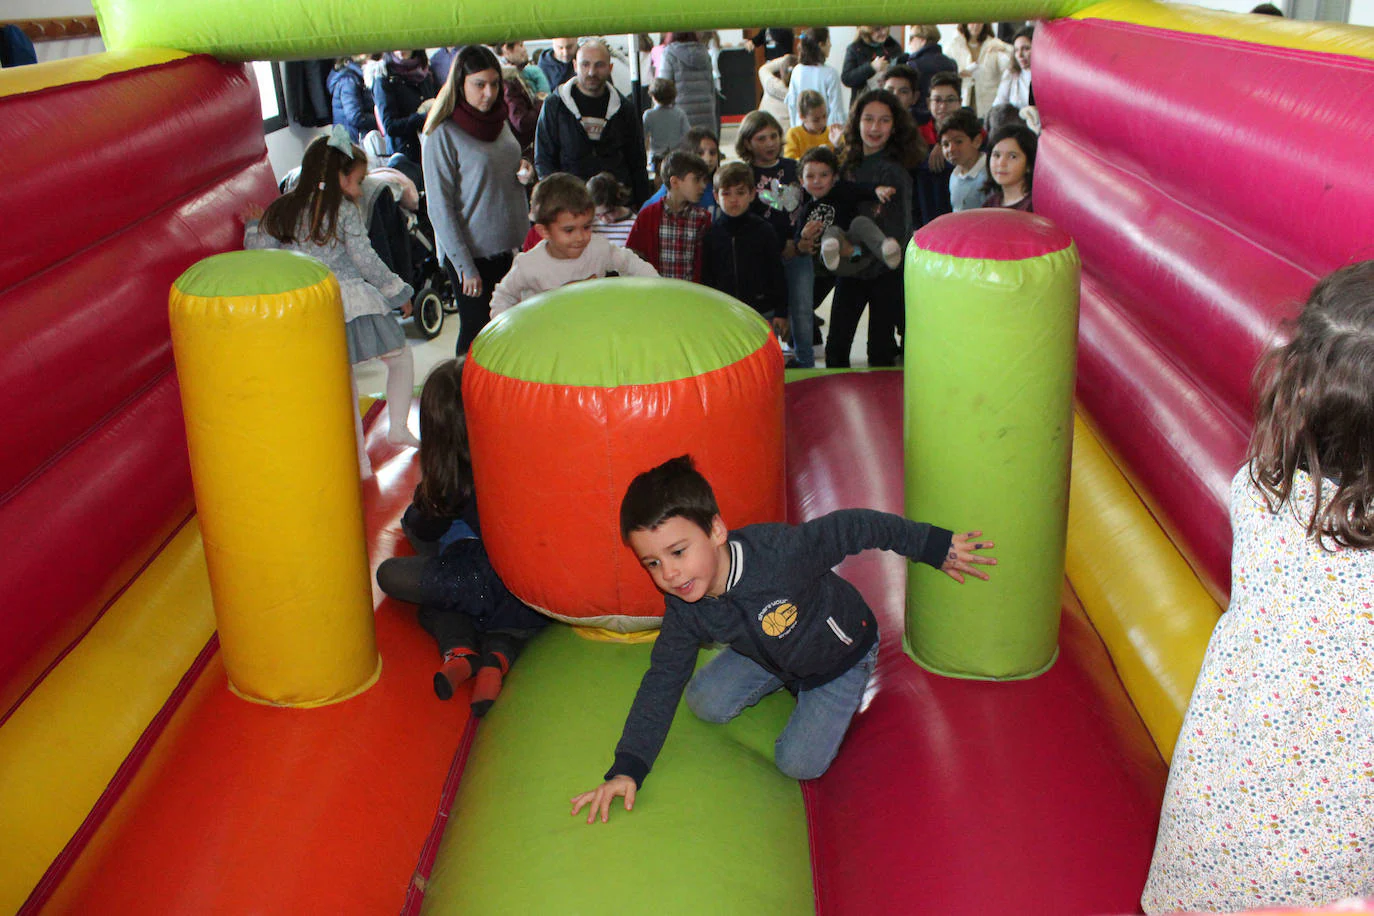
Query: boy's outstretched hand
[[961, 557], [599, 799]]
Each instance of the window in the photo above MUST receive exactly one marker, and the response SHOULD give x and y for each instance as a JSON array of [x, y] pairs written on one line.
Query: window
[[270, 91]]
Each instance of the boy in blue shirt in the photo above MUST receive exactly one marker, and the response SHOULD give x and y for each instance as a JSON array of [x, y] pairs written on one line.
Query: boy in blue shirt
[[769, 593]]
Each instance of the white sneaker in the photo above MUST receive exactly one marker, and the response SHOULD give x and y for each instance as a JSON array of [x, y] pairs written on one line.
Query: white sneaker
[[892, 253], [830, 253]]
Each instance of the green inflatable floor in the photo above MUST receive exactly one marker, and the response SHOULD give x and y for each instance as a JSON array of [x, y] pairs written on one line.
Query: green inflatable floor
[[717, 829]]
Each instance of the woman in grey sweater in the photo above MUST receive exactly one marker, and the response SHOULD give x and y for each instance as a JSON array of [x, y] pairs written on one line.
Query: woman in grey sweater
[[687, 62], [473, 179], [880, 144]]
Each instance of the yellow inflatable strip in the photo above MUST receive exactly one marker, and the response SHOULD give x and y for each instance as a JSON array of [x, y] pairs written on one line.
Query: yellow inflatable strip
[[1144, 600], [19, 80], [62, 746], [1323, 37]]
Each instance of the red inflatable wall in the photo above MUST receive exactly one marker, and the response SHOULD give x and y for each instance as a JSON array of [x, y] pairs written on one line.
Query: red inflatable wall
[[113, 188], [1204, 210]]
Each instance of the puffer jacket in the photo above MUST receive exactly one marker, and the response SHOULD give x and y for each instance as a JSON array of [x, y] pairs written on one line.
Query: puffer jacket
[[352, 103], [688, 65]]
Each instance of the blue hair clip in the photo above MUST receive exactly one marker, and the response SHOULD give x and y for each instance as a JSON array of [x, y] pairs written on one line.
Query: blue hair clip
[[339, 140]]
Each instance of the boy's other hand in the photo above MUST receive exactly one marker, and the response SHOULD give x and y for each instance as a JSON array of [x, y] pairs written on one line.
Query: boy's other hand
[[938, 162], [961, 557], [884, 193], [599, 799]]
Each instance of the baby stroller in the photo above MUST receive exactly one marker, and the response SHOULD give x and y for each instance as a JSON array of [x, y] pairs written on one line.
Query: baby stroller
[[403, 238]]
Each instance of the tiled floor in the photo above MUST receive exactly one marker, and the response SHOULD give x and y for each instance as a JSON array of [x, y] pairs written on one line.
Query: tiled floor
[[371, 376]]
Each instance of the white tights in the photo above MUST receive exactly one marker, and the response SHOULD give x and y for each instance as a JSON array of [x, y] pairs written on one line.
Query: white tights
[[400, 386]]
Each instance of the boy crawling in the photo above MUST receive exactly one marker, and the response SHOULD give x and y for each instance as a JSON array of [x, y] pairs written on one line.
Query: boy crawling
[[769, 594]]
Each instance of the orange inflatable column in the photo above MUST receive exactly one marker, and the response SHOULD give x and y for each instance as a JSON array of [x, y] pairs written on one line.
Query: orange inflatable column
[[573, 393]]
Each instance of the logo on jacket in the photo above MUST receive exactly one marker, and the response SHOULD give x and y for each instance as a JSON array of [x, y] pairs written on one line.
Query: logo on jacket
[[778, 618]]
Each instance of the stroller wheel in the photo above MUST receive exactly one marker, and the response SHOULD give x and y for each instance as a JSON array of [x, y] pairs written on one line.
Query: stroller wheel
[[429, 312]]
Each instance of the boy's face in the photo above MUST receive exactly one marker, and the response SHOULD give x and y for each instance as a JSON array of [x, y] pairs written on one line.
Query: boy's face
[[567, 234], [814, 120], [943, 102], [710, 154], [735, 200], [818, 178], [684, 560], [902, 89], [959, 148], [689, 187]]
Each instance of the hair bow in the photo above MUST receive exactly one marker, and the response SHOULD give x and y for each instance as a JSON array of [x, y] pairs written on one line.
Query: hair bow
[[339, 140]]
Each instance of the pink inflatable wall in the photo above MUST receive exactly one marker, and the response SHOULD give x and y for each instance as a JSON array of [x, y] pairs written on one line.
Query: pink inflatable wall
[[1208, 183]]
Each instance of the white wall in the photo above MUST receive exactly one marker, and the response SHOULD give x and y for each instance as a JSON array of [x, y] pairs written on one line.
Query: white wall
[[1362, 12]]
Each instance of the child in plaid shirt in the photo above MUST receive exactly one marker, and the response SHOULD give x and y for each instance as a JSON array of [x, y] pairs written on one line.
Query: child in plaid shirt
[[668, 234]]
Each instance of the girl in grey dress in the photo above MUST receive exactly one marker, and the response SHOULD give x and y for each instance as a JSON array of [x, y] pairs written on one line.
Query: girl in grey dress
[[319, 218]]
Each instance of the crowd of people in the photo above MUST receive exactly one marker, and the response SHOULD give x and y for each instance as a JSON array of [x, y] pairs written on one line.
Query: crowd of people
[[540, 173], [476, 126]]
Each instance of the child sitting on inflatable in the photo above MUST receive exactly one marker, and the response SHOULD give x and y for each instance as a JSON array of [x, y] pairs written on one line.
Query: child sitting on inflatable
[[768, 593]]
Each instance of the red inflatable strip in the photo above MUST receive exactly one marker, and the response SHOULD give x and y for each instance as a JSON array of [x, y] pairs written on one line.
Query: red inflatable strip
[[952, 796], [60, 866], [124, 145], [1287, 166], [87, 523], [1213, 300], [1178, 449], [90, 333]]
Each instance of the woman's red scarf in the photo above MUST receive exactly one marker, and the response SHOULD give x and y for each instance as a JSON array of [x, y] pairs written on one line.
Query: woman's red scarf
[[483, 125]]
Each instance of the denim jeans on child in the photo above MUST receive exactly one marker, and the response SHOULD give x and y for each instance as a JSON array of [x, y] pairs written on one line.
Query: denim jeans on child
[[800, 273], [730, 683]]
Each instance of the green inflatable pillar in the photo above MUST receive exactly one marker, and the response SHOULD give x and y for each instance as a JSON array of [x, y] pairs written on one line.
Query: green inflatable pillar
[[991, 329]]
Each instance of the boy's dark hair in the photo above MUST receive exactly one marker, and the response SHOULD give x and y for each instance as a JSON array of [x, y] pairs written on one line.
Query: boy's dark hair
[[1314, 411], [1000, 116], [680, 163], [945, 78], [663, 91], [557, 193], [809, 101], [964, 121], [445, 486], [692, 139], [1026, 139], [811, 41], [1267, 9], [673, 489], [607, 191], [903, 72], [821, 154], [734, 175]]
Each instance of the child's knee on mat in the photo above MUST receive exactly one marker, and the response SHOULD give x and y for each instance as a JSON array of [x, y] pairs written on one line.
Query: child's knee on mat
[[706, 706], [799, 762]]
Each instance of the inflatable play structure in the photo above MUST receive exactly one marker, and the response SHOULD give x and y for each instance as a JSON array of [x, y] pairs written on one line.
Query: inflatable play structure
[[1207, 169]]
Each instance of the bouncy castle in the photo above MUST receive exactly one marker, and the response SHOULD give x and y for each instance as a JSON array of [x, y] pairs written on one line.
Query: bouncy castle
[[1204, 168]]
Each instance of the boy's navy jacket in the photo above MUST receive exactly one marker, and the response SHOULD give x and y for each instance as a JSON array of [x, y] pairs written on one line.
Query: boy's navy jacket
[[784, 607], [838, 208], [742, 257]]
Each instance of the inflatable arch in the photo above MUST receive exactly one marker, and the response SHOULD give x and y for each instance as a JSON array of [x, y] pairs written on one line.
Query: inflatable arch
[[1209, 168]]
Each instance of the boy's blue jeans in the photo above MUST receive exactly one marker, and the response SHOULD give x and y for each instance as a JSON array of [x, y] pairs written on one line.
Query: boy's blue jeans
[[730, 683], [801, 274]]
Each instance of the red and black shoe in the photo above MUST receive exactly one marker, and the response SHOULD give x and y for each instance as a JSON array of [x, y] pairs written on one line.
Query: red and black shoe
[[458, 666]]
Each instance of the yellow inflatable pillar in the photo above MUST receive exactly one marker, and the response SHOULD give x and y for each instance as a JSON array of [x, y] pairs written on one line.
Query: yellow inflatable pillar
[[258, 338]]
